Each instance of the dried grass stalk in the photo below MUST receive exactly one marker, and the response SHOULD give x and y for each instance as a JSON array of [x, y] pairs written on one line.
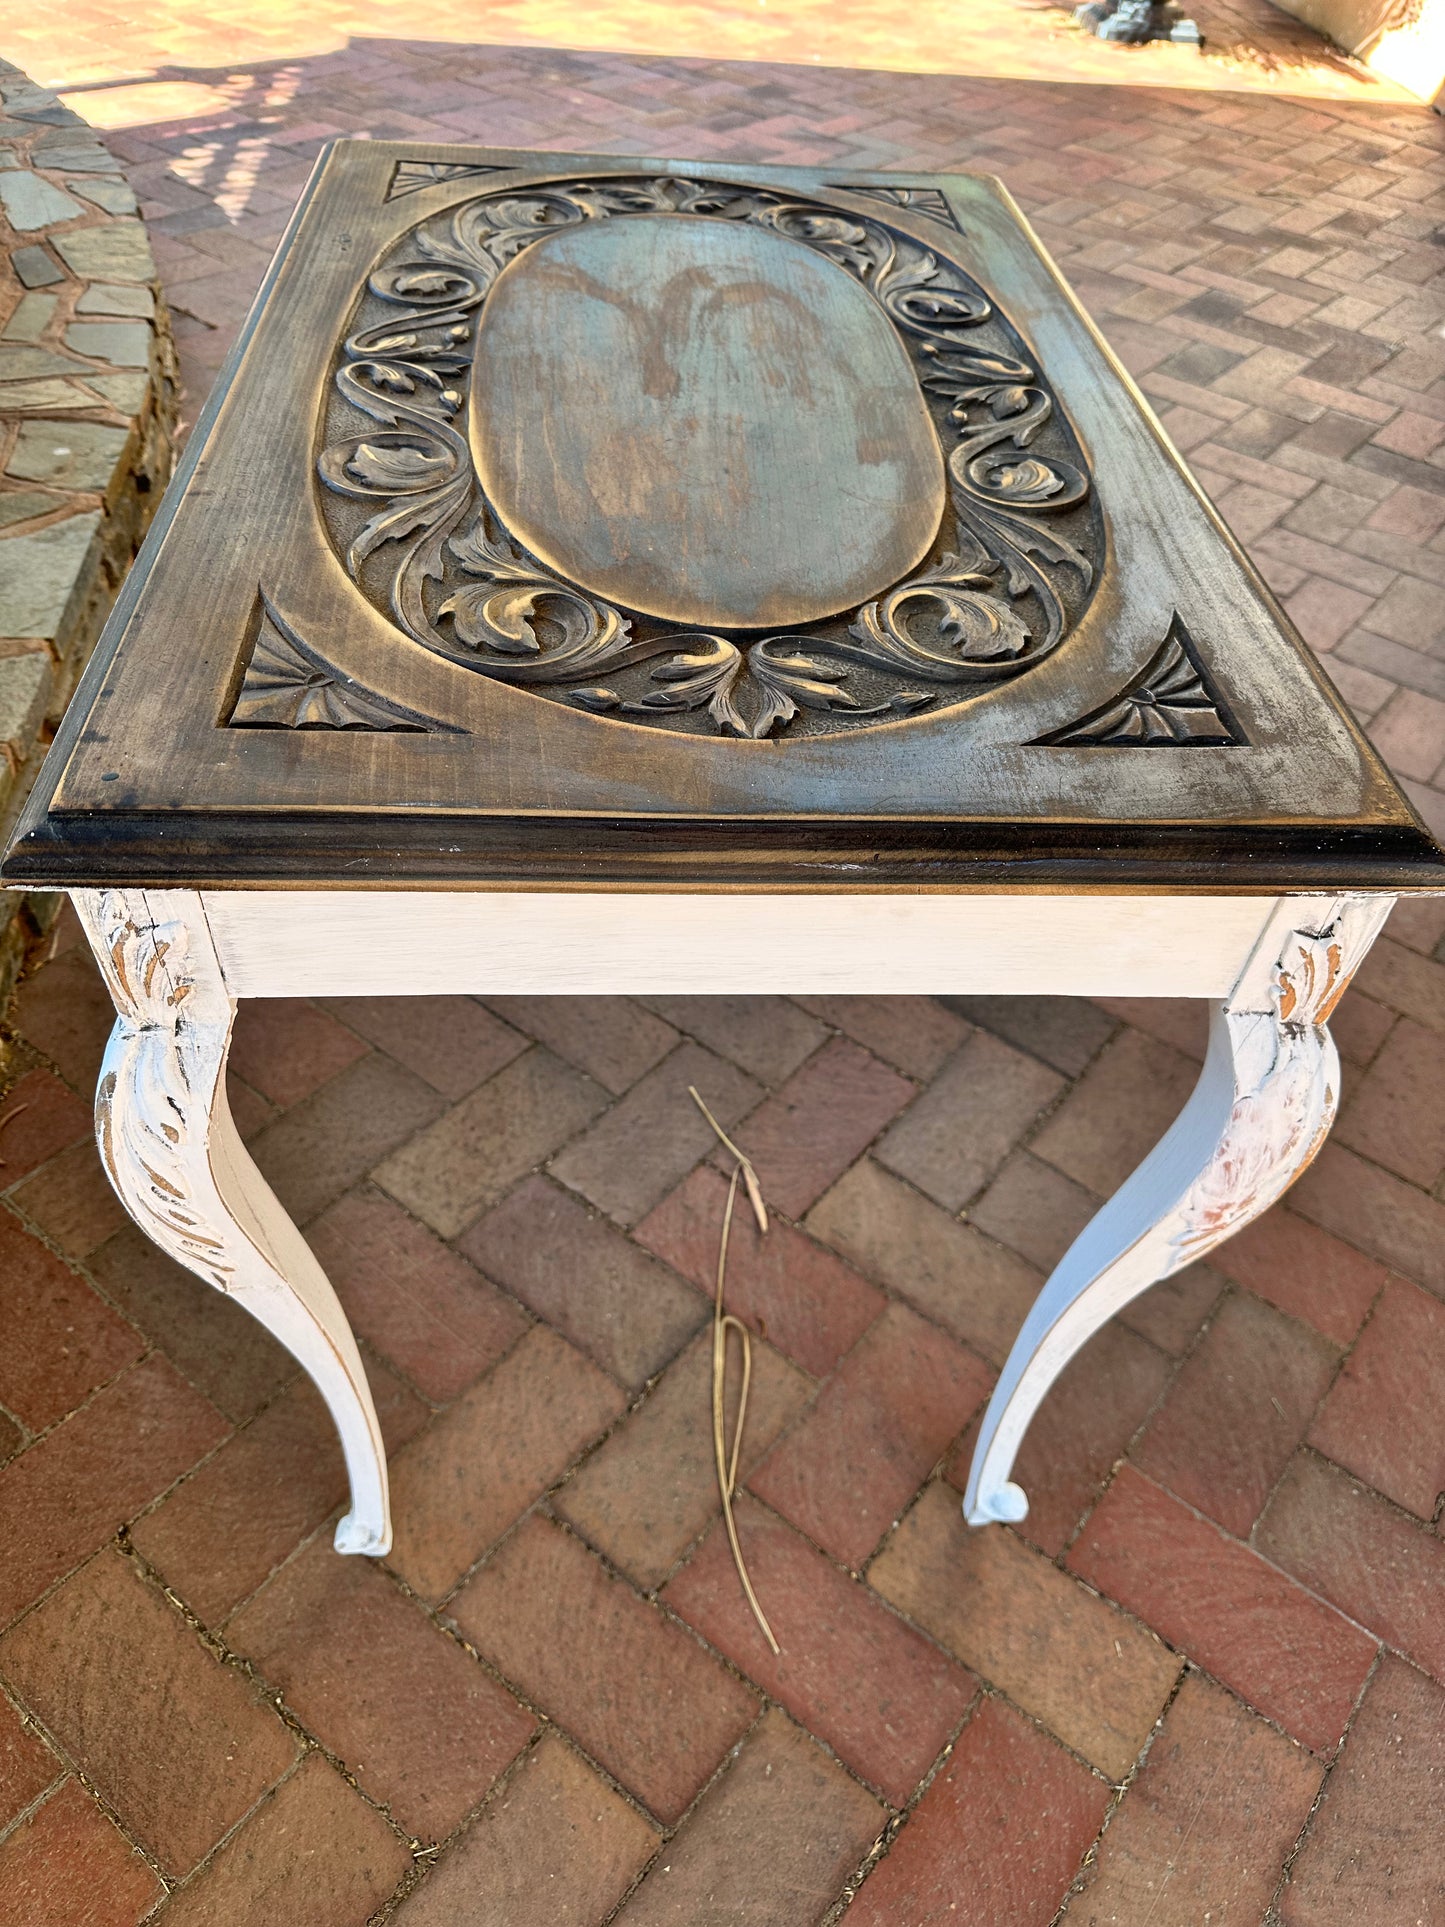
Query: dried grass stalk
[[750, 1176], [727, 1461]]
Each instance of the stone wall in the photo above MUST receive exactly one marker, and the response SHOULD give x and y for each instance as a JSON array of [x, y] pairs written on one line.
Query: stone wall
[[87, 416]]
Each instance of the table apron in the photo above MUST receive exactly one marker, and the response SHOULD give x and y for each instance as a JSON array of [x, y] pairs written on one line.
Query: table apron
[[275, 943]]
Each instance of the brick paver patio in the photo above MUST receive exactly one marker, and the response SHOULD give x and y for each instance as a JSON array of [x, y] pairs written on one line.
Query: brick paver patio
[[1206, 1680]]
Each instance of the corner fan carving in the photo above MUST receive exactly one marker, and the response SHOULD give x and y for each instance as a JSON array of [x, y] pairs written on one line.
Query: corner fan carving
[[1008, 575], [1172, 701]]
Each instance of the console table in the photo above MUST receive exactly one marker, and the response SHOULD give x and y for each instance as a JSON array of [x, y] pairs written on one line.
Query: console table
[[603, 575]]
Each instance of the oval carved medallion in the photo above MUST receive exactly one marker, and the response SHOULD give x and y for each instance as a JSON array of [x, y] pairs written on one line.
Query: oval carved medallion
[[710, 457], [704, 422]]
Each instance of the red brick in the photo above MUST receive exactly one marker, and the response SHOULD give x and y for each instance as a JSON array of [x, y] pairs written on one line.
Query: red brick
[[27, 1766], [1381, 1419], [287, 1047], [880, 1425], [1169, 1314], [642, 1697], [1409, 733], [882, 1697], [1034, 1210], [784, 1286], [768, 1037], [650, 1140], [1375, 1855], [1064, 1031], [1324, 611], [613, 1039], [1394, 1114], [221, 1349], [824, 1117], [1096, 1680], [314, 1852], [67, 1866], [66, 1494], [450, 1041], [250, 1112], [1374, 1563], [473, 1155], [580, 1273], [176, 1743], [1406, 981], [217, 1536], [1359, 1025], [38, 1117], [914, 1034], [651, 1489], [1239, 1407], [770, 1845], [1418, 922], [997, 1837], [1117, 1112], [959, 1131], [1283, 1651], [556, 1848], [949, 1271], [65, 1011], [61, 1339], [330, 1140], [1205, 1830], [484, 1461], [71, 1200], [1079, 1433], [1302, 1270], [424, 1729], [410, 1296], [1390, 1220]]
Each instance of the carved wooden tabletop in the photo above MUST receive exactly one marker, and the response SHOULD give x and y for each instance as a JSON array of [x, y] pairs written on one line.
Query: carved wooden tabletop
[[581, 519]]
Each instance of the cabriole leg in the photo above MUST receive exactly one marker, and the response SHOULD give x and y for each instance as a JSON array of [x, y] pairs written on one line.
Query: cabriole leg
[[1263, 1106], [172, 1152]]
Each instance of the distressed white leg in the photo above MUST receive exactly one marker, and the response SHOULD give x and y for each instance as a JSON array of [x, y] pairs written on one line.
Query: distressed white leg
[[1263, 1105], [173, 1154]]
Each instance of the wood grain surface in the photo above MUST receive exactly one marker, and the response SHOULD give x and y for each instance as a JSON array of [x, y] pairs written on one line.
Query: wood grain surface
[[334, 663], [707, 423]]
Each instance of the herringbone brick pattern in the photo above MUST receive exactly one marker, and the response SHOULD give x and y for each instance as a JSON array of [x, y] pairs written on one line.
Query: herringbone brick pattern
[[1206, 1679], [550, 1703]]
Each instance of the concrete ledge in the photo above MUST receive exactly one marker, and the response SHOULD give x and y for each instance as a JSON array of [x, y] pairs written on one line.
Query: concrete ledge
[[87, 420]]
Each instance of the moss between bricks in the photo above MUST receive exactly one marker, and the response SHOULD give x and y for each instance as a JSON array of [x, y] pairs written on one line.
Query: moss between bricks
[[87, 420]]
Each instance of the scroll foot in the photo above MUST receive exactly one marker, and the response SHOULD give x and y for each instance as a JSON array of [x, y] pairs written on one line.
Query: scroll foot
[[1263, 1105], [173, 1154]]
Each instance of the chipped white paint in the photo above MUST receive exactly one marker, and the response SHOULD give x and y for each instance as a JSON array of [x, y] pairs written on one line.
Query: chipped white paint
[[1260, 1111], [175, 962], [173, 1154]]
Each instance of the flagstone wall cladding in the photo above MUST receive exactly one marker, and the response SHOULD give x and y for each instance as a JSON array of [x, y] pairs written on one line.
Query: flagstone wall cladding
[[87, 418]]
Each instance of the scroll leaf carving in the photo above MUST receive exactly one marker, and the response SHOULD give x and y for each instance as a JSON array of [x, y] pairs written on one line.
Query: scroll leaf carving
[[153, 1100], [997, 597]]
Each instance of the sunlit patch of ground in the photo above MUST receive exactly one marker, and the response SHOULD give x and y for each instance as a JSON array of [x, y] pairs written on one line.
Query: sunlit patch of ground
[[131, 72]]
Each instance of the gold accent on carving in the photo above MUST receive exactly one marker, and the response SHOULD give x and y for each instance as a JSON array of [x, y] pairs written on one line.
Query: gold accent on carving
[[997, 598]]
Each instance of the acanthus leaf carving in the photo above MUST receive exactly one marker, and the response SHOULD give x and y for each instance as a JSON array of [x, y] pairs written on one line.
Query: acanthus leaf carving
[[996, 599], [153, 1100]]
